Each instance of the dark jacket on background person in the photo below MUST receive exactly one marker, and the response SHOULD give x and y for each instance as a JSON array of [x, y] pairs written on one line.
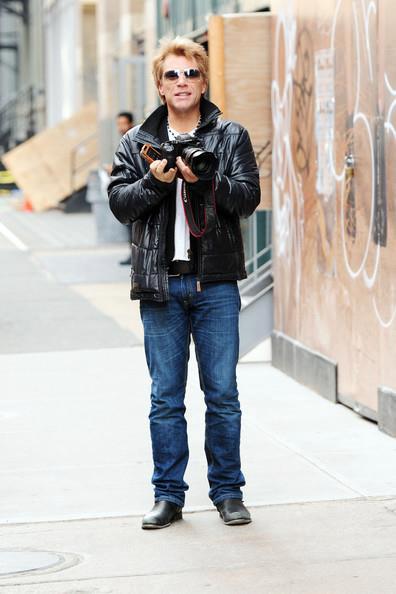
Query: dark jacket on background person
[[137, 196]]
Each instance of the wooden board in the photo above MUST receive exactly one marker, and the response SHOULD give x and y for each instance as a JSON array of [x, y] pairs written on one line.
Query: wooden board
[[240, 81], [56, 162], [334, 90]]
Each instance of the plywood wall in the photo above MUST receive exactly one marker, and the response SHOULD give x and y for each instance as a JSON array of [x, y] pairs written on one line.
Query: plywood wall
[[56, 162], [240, 81], [334, 91]]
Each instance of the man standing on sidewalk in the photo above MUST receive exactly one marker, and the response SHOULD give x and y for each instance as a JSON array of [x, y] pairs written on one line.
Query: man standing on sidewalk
[[185, 268]]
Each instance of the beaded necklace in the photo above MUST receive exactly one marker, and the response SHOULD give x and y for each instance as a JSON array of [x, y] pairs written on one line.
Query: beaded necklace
[[172, 134]]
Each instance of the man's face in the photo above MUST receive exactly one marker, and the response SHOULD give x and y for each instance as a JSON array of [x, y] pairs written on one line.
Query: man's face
[[183, 94], [123, 125]]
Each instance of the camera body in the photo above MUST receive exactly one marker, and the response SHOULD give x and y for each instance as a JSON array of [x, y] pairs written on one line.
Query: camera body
[[202, 163], [171, 149]]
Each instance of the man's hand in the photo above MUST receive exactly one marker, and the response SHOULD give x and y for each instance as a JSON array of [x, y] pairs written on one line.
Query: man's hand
[[157, 169], [186, 171]]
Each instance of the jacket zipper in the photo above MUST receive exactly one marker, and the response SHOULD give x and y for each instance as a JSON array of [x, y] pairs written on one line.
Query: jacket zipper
[[163, 278]]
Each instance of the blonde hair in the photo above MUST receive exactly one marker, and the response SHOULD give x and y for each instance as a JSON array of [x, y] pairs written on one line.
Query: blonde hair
[[180, 46]]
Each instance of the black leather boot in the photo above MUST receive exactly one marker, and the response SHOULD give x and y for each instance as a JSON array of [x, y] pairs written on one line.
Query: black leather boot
[[233, 512], [162, 515]]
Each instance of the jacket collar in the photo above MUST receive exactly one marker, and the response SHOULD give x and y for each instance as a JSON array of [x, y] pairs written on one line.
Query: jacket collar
[[152, 129]]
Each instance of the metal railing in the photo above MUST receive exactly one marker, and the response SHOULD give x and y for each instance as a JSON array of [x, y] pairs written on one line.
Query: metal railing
[[256, 320], [260, 280]]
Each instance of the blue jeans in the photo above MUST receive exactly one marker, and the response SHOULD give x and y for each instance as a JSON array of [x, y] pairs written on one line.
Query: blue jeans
[[211, 317]]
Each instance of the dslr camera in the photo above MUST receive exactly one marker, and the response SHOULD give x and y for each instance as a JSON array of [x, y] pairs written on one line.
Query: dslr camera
[[202, 163]]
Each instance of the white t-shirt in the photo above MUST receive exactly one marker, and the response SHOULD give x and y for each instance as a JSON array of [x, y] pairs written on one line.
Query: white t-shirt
[[182, 232]]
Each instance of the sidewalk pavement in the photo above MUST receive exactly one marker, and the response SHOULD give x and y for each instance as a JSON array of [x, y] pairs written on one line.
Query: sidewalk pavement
[[76, 461]]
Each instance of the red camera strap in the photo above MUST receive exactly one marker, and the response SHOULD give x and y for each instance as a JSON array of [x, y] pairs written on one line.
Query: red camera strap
[[209, 212]]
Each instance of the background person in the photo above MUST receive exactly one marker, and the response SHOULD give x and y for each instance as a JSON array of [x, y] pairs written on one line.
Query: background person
[[124, 122]]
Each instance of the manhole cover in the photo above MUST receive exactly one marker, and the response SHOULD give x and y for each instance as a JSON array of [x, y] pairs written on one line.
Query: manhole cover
[[21, 561]]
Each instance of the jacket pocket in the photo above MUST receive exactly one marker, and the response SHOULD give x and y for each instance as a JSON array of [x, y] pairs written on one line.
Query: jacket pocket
[[141, 283]]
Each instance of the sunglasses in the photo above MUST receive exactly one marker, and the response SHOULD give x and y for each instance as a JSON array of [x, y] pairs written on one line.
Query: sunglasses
[[189, 74]]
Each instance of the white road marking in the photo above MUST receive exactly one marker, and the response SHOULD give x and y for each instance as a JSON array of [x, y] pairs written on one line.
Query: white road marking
[[13, 238]]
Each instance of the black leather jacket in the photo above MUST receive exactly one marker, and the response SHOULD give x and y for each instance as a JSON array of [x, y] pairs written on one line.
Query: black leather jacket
[[137, 197]]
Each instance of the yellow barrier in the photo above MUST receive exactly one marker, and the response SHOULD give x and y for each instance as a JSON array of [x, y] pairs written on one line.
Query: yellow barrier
[[6, 177]]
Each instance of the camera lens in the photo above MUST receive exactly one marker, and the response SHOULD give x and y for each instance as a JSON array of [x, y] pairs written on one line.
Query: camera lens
[[202, 163]]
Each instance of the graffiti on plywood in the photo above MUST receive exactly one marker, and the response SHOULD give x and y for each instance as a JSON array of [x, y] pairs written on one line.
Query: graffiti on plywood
[[287, 194], [359, 217], [325, 182], [303, 83]]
